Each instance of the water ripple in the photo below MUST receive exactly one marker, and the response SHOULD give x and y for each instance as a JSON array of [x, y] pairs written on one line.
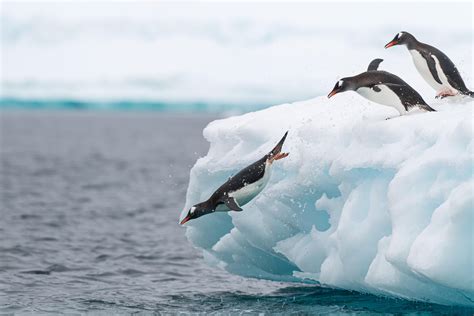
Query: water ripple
[[89, 225]]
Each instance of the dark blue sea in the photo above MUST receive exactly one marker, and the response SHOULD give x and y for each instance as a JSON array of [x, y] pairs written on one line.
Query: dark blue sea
[[89, 209]]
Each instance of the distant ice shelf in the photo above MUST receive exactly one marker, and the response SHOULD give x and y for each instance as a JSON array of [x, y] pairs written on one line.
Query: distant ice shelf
[[361, 203]]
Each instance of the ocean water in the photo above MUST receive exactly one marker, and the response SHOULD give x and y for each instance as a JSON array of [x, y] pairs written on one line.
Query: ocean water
[[89, 210]]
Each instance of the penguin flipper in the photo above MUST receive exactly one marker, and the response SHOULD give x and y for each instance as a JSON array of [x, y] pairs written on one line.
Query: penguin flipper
[[374, 64], [431, 65], [231, 203], [376, 88]]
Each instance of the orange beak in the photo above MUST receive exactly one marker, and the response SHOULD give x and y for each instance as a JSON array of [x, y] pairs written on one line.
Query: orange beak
[[392, 43], [332, 93], [185, 220]]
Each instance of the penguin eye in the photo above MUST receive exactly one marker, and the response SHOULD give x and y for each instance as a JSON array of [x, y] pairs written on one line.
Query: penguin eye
[[340, 83], [192, 209], [399, 35]]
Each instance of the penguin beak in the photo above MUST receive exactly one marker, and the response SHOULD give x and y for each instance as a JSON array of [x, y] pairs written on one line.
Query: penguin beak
[[392, 43], [332, 93], [185, 220]]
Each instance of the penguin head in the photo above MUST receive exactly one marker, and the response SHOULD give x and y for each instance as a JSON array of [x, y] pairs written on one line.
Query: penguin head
[[402, 38], [345, 84], [196, 211]]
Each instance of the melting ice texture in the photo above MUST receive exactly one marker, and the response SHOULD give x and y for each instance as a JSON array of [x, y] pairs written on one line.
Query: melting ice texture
[[209, 56], [361, 203]]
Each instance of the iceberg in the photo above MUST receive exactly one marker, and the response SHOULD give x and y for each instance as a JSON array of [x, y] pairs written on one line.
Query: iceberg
[[362, 203]]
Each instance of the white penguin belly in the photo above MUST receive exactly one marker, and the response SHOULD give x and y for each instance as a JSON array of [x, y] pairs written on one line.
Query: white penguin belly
[[386, 97], [422, 67], [248, 192]]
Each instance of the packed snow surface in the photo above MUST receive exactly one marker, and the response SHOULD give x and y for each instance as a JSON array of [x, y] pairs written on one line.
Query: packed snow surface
[[361, 203]]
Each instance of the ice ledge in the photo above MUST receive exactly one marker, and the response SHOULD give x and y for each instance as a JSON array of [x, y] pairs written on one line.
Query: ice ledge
[[361, 203]]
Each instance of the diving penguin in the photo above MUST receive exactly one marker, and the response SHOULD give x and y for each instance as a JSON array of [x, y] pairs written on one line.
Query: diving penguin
[[434, 66], [382, 87], [240, 188]]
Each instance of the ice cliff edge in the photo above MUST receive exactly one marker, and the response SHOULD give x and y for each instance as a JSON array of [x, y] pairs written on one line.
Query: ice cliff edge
[[362, 203]]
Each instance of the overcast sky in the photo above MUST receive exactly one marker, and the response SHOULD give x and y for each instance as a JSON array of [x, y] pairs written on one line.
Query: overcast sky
[[215, 52]]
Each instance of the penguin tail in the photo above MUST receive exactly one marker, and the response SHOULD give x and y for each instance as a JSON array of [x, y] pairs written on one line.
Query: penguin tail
[[275, 151], [426, 107], [468, 93]]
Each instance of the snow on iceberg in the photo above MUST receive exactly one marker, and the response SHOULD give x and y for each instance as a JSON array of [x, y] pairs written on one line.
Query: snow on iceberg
[[362, 203]]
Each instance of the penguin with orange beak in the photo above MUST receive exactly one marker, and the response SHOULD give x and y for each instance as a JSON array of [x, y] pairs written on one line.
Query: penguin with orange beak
[[434, 66], [382, 87], [240, 188]]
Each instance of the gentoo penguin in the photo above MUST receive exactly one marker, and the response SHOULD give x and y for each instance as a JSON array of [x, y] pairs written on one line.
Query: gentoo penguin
[[434, 66], [382, 87], [240, 188]]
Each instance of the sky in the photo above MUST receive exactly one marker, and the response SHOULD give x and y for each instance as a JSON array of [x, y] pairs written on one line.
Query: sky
[[224, 54]]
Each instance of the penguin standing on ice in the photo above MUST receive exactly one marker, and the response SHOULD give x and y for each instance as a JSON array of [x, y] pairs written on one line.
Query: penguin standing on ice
[[434, 66], [240, 188], [384, 88]]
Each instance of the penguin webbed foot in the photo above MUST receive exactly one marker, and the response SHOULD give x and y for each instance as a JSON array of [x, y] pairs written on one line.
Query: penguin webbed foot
[[447, 93], [280, 156]]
